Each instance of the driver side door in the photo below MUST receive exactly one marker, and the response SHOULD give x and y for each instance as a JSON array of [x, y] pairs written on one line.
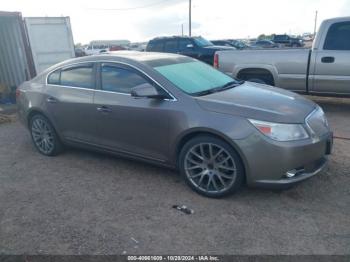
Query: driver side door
[[188, 48]]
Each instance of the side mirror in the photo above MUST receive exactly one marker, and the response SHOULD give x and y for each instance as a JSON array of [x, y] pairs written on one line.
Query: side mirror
[[146, 90], [189, 46]]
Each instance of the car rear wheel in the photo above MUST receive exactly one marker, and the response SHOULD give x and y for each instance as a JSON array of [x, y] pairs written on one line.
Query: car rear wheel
[[211, 167], [44, 136]]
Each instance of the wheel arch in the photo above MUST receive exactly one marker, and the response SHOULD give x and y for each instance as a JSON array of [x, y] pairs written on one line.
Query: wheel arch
[[190, 134], [34, 111], [256, 72]]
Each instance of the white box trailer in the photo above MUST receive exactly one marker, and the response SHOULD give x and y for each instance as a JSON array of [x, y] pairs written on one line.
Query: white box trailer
[[30, 45], [50, 39]]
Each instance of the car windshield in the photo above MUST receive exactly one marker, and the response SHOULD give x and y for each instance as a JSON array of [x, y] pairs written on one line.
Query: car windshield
[[195, 77], [200, 41]]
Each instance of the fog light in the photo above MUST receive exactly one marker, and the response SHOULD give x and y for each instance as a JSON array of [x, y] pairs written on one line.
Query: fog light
[[291, 173]]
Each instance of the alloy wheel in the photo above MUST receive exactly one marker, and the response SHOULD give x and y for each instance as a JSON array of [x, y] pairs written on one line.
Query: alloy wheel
[[43, 135], [210, 167]]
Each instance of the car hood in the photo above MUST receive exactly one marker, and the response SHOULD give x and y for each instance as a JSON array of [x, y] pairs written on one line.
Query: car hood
[[260, 102], [219, 47]]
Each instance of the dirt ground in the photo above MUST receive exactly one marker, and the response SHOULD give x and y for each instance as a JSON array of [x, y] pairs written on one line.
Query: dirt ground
[[88, 203]]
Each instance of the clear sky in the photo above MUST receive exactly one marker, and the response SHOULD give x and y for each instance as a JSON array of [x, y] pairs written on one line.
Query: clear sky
[[132, 20]]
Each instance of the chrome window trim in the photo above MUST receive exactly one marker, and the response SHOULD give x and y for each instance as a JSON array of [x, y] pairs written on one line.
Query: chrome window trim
[[173, 98]]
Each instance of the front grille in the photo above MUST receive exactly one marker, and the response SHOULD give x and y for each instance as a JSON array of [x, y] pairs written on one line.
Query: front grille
[[317, 122]]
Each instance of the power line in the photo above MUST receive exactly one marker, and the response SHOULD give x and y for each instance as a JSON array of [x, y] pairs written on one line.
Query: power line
[[132, 8]]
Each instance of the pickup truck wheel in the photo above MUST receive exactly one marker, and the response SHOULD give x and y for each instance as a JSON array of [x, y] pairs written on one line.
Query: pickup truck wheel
[[257, 80], [256, 75]]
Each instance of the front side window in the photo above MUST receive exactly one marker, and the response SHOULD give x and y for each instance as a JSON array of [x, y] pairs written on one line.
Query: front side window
[[200, 41], [120, 80], [183, 43], [338, 37], [79, 76], [193, 76]]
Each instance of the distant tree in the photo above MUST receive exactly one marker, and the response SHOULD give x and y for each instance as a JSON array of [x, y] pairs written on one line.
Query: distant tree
[[265, 37], [262, 36]]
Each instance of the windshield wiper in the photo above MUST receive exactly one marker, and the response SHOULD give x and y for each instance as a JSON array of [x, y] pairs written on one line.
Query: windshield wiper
[[226, 86]]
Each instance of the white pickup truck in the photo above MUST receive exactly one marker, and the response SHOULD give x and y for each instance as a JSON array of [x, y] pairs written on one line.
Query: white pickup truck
[[323, 69]]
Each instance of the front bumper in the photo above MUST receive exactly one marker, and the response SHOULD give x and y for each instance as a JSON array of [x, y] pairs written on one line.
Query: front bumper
[[268, 162], [302, 175]]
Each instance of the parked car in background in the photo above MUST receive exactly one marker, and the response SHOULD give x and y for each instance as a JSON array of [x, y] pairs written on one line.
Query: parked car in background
[[324, 69], [79, 52], [238, 44], [137, 46], [232, 43], [181, 113], [222, 43], [308, 37], [103, 46], [196, 47], [116, 48], [96, 49], [288, 41], [264, 44]]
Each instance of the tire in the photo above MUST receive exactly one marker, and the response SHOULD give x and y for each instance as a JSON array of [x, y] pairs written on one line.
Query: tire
[[217, 177], [44, 136], [257, 80]]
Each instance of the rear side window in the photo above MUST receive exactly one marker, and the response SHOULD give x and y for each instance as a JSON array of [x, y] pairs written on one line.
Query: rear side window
[[79, 76], [155, 46], [54, 78], [338, 37], [170, 46], [120, 80]]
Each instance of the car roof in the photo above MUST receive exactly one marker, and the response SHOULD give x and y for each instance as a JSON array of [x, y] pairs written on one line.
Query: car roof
[[172, 37], [132, 57], [136, 55]]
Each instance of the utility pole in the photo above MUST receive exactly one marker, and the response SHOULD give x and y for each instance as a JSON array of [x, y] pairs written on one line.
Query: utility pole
[[182, 29], [315, 24], [189, 19]]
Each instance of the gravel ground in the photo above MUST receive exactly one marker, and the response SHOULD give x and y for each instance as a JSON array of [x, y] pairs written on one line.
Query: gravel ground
[[87, 203]]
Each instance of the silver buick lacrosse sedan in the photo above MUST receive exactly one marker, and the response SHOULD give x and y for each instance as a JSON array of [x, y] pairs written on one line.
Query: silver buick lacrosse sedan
[[175, 111]]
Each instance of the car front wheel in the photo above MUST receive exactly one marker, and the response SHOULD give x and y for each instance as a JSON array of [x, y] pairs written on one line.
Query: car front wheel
[[211, 167], [44, 136]]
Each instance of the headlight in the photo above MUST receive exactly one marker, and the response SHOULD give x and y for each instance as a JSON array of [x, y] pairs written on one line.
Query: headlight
[[280, 132]]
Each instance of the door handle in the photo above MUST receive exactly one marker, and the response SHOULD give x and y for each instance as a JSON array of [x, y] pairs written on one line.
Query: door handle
[[327, 59], [104, 109], [51, 100]]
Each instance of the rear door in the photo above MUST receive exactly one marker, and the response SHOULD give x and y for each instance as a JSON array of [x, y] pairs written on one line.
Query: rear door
[[170, 46], [331, 62], [155, 46], [69, 101], [138, 126]]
